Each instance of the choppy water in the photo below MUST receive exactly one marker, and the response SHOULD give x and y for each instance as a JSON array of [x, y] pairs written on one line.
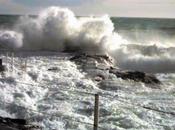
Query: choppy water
[[57, 99], [130, 26]]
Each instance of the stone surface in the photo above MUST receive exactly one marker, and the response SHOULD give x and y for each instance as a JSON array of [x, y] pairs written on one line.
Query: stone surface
[[2, 68], [99, 67], [97, 59], [136, 76], [53, 69], [16, 124]]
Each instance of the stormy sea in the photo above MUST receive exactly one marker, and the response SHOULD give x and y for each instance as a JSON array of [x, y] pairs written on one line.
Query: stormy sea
[[56, 61]]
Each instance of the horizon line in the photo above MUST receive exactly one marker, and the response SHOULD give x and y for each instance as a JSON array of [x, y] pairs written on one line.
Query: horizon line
[[97, 16]]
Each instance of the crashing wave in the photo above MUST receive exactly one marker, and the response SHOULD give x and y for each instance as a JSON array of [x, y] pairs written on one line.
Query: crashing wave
[[58, 29]]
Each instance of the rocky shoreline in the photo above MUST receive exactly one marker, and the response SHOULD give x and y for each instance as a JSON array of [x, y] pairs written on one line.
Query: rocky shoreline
[[104, 67]]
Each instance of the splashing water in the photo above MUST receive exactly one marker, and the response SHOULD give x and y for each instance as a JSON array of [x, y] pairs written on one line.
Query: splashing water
[[58, 29], [11, 39]]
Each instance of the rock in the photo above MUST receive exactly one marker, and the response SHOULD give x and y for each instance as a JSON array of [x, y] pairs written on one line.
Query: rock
[[99, 78], [16, 124], [53, 69], [136, 76], [2, 67], [101, 59], [105, 64]]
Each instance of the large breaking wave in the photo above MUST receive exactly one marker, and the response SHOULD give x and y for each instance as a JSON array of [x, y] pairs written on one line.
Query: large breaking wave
[[59, 29]]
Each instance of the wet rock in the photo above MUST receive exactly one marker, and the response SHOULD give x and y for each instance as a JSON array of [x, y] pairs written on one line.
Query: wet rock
[[97, 58], [104, 63], [2, 67], [53, 69], [99, 78], [16, 124], [136, 76]]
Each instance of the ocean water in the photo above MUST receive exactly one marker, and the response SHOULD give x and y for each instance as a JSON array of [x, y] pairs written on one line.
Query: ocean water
[[145, 29], [131, 28], [58, 101]]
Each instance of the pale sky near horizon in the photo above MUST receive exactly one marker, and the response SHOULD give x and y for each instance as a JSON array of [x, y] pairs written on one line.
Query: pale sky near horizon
[[122, 8]]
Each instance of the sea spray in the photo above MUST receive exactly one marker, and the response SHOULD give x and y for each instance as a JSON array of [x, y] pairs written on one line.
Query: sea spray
[[10, 39], [152, 59], [58, 29]]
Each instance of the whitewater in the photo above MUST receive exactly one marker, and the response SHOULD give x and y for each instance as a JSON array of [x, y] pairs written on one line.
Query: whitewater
[[59, 100]]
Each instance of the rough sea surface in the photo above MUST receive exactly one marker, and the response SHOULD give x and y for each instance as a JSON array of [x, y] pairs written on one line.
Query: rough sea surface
[[63, 99]]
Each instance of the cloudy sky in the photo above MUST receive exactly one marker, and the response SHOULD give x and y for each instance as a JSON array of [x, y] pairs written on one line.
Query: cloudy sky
[[131, 8]]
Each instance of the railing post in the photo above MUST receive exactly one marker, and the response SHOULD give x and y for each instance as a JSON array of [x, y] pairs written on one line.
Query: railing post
[[96, 112], [0, 62], [12, 63], [25, 65], [7, 60]]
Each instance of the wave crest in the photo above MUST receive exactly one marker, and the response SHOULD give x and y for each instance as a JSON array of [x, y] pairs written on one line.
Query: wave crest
[[59, 29]]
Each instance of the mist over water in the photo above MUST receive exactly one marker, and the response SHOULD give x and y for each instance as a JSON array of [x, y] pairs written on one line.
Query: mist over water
[[11, 39], [58, 29]]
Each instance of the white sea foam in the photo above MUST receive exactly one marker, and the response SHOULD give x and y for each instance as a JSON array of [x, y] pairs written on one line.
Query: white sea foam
[[41, 95], [56, 99], [149, 58], [11, 39], [46, 96], [59, 29]]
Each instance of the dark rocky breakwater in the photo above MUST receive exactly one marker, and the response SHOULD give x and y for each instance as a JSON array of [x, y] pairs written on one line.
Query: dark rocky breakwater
[[101, 67]]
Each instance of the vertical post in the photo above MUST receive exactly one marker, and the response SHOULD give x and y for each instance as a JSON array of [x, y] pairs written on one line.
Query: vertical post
[[0, 62], [96, 112], [12, 61], [7, 60], [25, 65], [2, 68]]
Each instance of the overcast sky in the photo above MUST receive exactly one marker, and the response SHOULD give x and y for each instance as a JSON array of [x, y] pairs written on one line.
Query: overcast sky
[[124, 8]]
